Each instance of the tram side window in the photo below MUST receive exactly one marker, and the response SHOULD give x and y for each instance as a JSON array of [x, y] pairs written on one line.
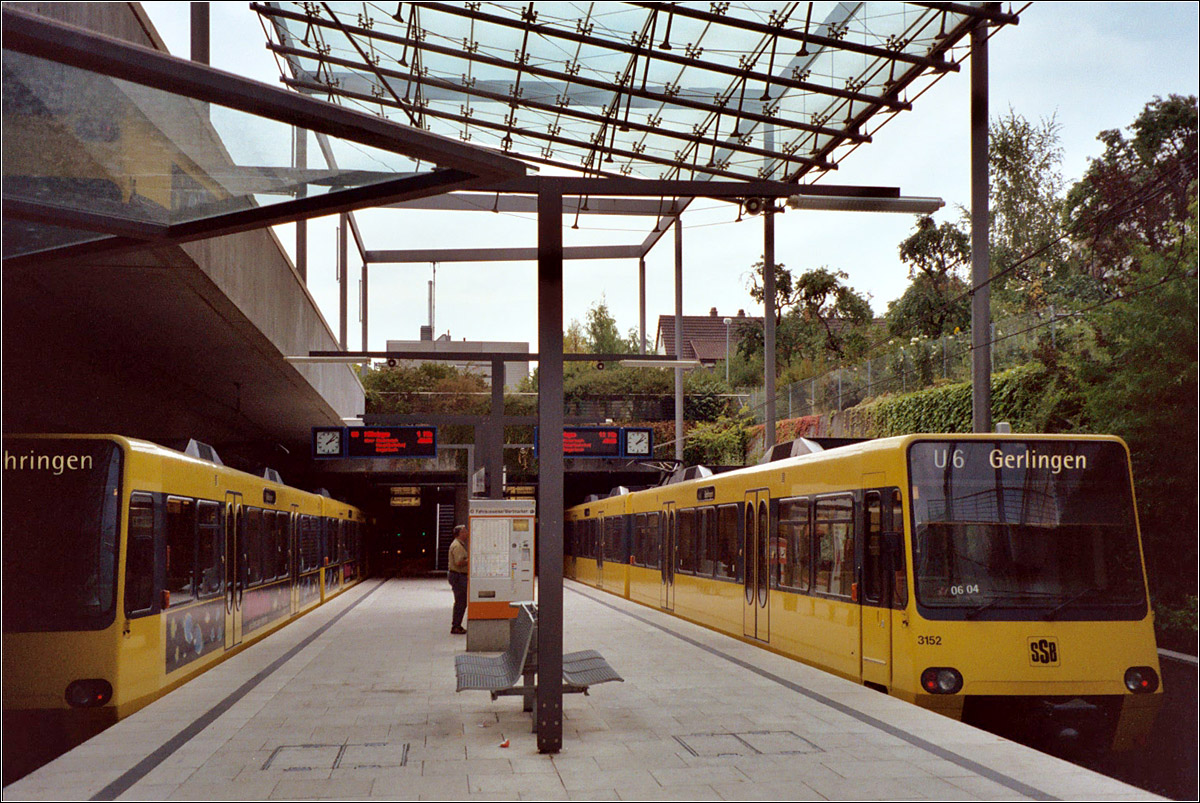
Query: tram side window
[[873, 554], [834, 536], [210, 558], [639, 539], [310, 543], [282, 521], [139, 562], [181, 548], [706, 540], [685, 549], [254, 545], [653, 539], [900, 587], [727, 539], [795, 543]]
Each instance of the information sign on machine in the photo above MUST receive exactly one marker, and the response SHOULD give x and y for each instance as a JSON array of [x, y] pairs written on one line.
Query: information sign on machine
[[502, 558], [366, 442]]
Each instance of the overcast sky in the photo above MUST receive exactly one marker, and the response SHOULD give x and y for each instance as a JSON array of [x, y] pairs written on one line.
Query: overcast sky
[[1092, 66]]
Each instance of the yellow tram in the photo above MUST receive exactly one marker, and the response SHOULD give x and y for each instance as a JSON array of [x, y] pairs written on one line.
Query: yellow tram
[[130, 568], [993, 578]]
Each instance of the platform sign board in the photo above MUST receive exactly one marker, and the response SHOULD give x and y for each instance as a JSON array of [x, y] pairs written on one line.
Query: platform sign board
[[331, 443], [610, 442], [502, 554]]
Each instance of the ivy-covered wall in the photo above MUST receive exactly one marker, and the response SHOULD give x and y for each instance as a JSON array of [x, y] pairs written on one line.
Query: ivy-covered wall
[[1016, 398]]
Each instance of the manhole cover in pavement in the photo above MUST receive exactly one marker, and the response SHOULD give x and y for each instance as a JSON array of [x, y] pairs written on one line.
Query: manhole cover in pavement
[[297, 757], [749, 743]]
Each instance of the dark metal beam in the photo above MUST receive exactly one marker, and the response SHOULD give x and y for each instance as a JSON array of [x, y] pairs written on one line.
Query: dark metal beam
[[527, 204], [769, 323], [499, 254], [480, 356], [659, 188], [548, 713], [981, 354], [200, 33], [988, 11]]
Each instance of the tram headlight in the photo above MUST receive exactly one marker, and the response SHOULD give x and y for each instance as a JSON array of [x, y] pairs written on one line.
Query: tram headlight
[[90, 693], [1141, 680], [941, 680]]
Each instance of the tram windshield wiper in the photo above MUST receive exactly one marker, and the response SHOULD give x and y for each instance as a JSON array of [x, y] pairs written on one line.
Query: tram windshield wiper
[[1071, 600]]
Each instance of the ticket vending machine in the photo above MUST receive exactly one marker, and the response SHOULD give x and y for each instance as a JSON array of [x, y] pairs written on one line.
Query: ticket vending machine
[[501, 572]]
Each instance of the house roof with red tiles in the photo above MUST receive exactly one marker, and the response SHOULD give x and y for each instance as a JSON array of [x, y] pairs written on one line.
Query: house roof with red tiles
[[703, 335]]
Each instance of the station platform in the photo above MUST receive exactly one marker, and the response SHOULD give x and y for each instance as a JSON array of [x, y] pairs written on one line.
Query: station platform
[[357, 700]]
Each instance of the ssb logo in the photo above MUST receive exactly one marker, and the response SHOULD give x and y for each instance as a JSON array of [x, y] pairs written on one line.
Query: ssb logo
[[1043, 652]]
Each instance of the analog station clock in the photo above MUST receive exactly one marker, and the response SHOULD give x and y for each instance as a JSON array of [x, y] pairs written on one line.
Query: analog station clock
[[328, 442], [637, 442]]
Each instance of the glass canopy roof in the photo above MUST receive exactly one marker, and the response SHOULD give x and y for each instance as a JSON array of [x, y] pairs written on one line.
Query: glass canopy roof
[[696, 90], [108, 142]]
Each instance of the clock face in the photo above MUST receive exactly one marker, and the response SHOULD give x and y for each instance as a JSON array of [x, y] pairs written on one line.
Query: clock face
[[329, 442], [637, 443]]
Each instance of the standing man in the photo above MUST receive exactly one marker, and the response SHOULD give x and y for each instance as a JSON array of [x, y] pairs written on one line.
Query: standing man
[[459, 565]]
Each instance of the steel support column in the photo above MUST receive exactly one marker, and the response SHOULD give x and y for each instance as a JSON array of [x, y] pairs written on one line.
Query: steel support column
[[343, 278], [201, 36], [769, 321], [679, 337], [550, 467], [642, 303], [493, 439], [981, 358], [300, 161], [363, 295]]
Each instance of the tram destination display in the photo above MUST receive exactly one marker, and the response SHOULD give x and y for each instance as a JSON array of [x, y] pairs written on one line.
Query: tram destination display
[[613, 442]]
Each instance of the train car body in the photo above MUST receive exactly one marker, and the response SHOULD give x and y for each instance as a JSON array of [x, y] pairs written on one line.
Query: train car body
[[996, 579], [130, 568]]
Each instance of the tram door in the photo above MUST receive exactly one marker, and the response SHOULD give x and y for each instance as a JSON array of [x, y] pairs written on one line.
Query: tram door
[[293, 551], [876, 595], [234, 569], [756, 573], [667, 531]]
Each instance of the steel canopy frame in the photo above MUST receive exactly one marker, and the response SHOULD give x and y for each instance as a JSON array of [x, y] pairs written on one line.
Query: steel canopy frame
[[464, 165]]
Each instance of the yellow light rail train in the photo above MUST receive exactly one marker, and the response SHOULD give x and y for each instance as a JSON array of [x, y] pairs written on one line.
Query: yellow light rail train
[[997, 579], [130, 568]]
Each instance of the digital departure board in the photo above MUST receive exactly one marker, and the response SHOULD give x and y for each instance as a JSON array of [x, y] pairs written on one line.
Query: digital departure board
[[590, 441], [391, 442], [358, 442]]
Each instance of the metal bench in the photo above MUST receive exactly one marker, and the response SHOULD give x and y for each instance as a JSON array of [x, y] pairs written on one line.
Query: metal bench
[[500, 674]]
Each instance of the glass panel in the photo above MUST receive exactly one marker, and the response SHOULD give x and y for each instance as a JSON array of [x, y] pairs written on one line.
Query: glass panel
[[210, 559], [551, 95], [748, 543], [77, 141], [834, 534], [727, 539], [181, 548], [707, 544], [764, 539], [793, 544], [687, 541], [873, 549], [139, 563], [1041, 526], [900, 588], [61, 519]]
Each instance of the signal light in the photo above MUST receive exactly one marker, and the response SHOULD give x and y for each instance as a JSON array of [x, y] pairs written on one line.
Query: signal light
[[941, 680], [1141, 680], [89, 693]]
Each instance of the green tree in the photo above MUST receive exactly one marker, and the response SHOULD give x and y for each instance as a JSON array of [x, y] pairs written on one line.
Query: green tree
[[935, 303], [819, 316], [1139, 381], [1132, 195], [603, 336]]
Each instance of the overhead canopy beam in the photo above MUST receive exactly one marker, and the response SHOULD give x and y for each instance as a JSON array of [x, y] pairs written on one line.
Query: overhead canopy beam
[[527, 204], [501, 254]]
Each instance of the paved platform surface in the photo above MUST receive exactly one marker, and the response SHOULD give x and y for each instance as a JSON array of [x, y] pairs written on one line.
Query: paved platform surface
[[357, 700]]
